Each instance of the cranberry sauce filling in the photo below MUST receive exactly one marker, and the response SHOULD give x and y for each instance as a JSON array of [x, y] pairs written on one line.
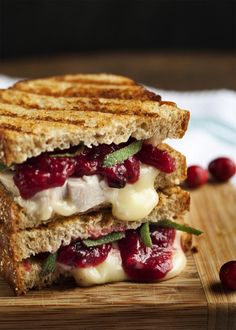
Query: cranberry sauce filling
[[78, 255], [158, 158], [142, 263], [45, 171], [41, 173]]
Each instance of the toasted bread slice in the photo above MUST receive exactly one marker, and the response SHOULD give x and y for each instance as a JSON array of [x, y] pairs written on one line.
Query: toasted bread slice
[[112, 109], [173, 203], [15, 217]]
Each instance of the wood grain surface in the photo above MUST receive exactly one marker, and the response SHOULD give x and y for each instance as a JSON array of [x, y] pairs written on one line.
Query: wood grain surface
[[194, 300]]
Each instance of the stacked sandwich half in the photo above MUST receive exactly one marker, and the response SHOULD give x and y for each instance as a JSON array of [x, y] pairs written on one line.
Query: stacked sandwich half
[[88, 189]]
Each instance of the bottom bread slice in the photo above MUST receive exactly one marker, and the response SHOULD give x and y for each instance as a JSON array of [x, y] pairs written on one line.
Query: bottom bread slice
[[17, 247]]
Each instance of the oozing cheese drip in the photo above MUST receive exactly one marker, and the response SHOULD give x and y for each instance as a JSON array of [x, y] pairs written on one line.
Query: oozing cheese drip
[[111, 269], [137, 200], [133, 202]]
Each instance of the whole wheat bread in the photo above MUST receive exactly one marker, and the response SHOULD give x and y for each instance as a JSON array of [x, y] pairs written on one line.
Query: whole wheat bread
[[42, 115]]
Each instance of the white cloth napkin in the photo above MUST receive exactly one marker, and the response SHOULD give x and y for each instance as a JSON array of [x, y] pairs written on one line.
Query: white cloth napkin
[[212, 126]]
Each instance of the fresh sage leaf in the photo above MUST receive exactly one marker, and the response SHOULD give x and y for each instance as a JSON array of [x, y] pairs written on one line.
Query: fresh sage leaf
[[179, 226], [122, 154], [49, 264], [145, 235], [3, 167], [103, 240], [68, 154]]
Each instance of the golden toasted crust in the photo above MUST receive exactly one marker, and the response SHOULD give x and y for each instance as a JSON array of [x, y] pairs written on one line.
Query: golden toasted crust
[[14, 217], [9, 267], [44, 114]]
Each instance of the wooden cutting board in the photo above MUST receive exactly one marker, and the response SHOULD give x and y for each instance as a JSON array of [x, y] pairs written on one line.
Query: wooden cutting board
[[194, 300]]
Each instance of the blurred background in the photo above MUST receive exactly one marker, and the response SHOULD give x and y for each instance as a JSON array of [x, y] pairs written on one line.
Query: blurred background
[[178, 45]]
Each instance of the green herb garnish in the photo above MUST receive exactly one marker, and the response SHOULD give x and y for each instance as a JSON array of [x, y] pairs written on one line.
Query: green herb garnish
[[122, 154], [103, 240], [49, 264], [3, 167], [145, 235], [69, 154], [178, 226]]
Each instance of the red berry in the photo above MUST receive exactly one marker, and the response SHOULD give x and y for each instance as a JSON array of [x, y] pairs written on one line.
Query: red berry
[[196, 176], [228, 275], [222, 169]]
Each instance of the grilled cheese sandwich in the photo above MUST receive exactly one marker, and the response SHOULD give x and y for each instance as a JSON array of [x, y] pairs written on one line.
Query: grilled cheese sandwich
[[55, 194]]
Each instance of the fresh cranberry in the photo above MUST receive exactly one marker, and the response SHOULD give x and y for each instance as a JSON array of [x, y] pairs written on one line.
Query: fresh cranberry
[[143, 263], [41, 173], [158, 158], [196, 176], [78, 255], [222, 169], [228, 275]]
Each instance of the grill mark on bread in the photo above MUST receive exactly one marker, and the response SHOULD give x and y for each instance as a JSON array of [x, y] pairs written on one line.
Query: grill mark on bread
[[73, 92], [65, 117], [14, 128], [59, 88], [97, 110], [29, 101], [47, 119]]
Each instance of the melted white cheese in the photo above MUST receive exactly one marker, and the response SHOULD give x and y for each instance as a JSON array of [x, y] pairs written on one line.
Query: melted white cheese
[[178, 259], [108, 271], [111, 269], [133, 202], [137, 200]]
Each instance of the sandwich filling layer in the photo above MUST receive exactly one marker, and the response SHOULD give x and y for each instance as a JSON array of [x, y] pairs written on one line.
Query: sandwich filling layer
[[79, 179], [127, 258], [133, 202]]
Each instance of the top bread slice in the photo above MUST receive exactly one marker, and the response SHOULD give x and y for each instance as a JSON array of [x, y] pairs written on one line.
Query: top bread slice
[[45, 114]]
